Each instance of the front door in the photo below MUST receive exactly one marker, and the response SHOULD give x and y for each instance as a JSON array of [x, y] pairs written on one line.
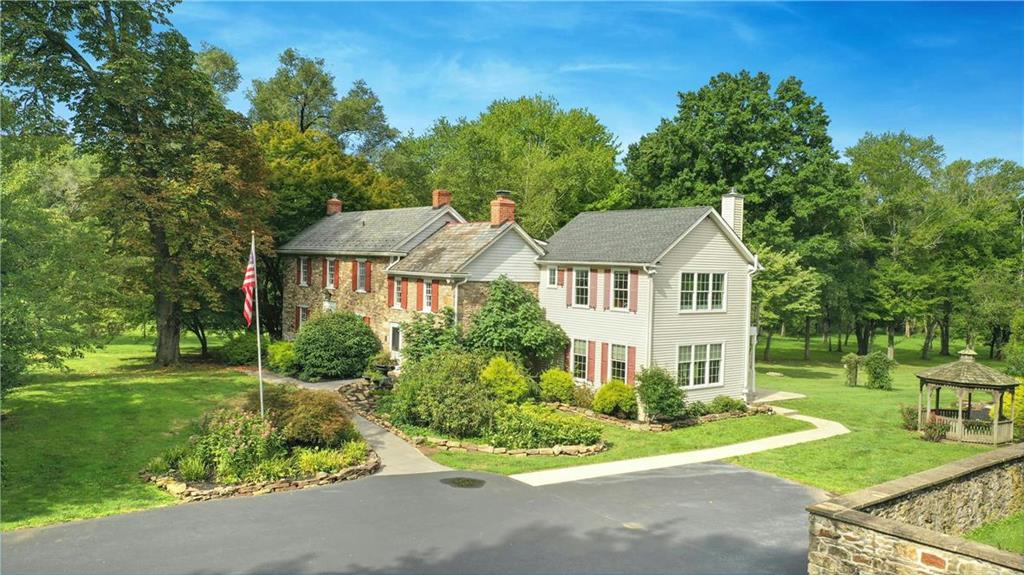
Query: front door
[[396, 341]]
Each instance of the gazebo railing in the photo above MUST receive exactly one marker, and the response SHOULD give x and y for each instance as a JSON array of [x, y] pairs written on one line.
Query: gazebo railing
[[973, 430]]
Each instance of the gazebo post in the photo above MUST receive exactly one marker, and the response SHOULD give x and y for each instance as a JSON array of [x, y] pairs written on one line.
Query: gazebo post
[[998, 415], [1013, 410], [920, 399], [938, 391], [959, 413]]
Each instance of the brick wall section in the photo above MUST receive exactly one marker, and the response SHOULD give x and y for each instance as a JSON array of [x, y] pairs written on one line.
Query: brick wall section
[[473, 296], [912, 525]]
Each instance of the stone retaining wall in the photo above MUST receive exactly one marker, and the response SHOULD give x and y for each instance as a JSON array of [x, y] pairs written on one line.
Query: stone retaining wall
[[648, 426], [194, 492], [913, 524]]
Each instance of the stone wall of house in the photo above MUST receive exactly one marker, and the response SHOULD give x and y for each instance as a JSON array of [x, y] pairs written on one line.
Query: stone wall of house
[[913, 524], [473, 296]]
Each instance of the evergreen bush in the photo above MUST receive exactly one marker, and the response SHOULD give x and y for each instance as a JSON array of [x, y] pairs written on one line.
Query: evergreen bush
[[851, 362], [281, 358], [879, 369], [557, 385], [615, 398], [506, 379], [240, 349], [335, 345], [660, 395]]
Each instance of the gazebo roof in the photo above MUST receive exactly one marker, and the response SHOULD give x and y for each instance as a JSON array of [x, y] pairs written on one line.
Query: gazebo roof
[[968, 373]]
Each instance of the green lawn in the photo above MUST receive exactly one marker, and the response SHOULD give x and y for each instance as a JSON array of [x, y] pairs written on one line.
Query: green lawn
[[73, 443], [626, 444], [1007, 534], [877, 449]]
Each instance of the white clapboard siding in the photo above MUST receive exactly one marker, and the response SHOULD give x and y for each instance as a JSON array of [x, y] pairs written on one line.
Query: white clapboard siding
[[704, 249], [599, 325], [509, 255]]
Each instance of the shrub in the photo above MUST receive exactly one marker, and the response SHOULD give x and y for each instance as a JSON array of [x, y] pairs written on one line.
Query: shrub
[[316, 418], [277, 399], [445, 394], [557, 385], [697, 409], [354, 452], [661, 397], [583, 396], [240, 349], [334, 345], [175, 454], [1014, 350], [282, 359], [851, 362], [530, 426], [192, 468], [934, 430], [158, 466], [879, 369], [726, 404], [506, 380], [615, 398], [271, 469], [312, 461], [430, 333], [908, 417], [235, 441]]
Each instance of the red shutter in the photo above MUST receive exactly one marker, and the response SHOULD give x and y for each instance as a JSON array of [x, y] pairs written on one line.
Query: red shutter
[[295, 325], [634, 281], [607, 288], [592, 289], [405, 293], [323, 274], [391, 292], [369, 276], [298, 271], [604, 362], [419, 295], [355, 275], [591, 349], [434, 296], [561, 276], [568, 289], [630, 364], [366, 319]]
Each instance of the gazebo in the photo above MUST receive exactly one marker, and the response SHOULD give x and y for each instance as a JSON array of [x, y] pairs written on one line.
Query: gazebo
[[965, 378]]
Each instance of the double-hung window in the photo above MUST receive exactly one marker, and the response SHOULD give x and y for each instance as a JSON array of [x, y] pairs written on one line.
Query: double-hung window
[[331, 272], [428, 295], [702, 291], [699, 365], [552, 276], [618, 362], [361, 275], [303, 315], [581, 286], [304, 269], [579, 359], [620, 289], [398, 292]]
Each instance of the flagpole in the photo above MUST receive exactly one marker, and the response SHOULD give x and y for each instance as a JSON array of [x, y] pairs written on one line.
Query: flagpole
[[259, 335]]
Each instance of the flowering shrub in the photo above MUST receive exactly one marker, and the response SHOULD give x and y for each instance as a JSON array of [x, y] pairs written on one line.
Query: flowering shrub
[[235, 442]]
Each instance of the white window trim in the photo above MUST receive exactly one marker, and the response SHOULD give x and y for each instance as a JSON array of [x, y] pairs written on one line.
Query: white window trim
[[721, 371], [611, 290], [398, 291], [361, 267], [428, 288], [725, 292], [303, 311], [331, 273], [395, 353], [590, 288], [304, 271], [625, 360], [552, 281], [586, 360]]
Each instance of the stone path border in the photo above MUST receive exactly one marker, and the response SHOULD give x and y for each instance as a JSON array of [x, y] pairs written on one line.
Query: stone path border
[[823, 429]]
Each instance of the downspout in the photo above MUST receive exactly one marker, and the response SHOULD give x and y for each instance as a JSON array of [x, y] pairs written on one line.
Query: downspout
[[750, 375], [455, 297], [650, 270]]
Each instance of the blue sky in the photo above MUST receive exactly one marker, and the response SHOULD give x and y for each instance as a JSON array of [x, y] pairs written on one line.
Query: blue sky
[[954, 71]]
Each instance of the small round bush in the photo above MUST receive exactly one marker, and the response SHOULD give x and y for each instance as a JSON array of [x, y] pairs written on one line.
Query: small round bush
[[879, 369], [615, 398], [908, 417], [583, 396], [506, 379], [316, 418], [277, 399], [282, 359], [934, 430], [697, 409], [726, 404], [240, 349], [334, 345], [557, 385], [661, 397], [192, 468], [444, 392], [529, 426]]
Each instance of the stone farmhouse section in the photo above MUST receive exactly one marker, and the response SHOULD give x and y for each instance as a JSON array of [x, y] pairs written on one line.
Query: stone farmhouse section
[[915, 524]]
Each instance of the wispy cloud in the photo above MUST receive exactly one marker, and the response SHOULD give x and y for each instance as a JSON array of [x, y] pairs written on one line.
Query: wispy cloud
[[934, 40], [598, 67]]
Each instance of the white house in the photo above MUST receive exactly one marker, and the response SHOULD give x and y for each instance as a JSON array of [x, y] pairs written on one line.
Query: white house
[[668, 287]]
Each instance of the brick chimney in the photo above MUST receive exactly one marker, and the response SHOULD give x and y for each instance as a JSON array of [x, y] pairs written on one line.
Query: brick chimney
[[333, 205], [442, 197], [503, 209], [732, 211]]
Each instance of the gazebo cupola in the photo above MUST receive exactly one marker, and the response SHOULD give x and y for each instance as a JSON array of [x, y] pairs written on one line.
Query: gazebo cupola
[[965, 378]]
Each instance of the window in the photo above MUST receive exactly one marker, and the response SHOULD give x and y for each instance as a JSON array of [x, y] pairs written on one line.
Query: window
[[702, 292], [398, 292], [428, 295], [579, 359], [303, 314], [303, 271], [361, 276], [552, 277], [396, 338], [331, 271], [618, 362], [620, 289], [700, 365], [582, 287]]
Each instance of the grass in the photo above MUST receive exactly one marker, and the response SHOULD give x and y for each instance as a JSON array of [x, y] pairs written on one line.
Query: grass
[[626, 444], [74, 442], [877, 449], [1006, 534]]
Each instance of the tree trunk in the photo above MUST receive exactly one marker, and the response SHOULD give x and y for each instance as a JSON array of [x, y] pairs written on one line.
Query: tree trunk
[[839, 337], [890, 343], [195, 325], [272, 294], [906, 328], [947, 312], [782, 330], [807, 338], [929, 337], [168, 312], [863, 331], [767, 346]]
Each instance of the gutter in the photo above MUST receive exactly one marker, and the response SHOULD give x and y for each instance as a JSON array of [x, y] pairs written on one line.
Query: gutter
[[393, 272], [599, 263], [288, 252]]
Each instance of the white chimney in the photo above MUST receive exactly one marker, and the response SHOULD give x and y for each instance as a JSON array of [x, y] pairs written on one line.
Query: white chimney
[[732, 211]]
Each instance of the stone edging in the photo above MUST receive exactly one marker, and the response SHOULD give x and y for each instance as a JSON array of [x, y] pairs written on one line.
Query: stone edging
[[458, 446], [656, 427], [193, 492]]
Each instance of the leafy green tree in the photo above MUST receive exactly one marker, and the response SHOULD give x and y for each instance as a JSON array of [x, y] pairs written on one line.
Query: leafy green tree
[[555, 162], [512, 321], [783, 292], [221, 67], [181, 179], [429, 333]]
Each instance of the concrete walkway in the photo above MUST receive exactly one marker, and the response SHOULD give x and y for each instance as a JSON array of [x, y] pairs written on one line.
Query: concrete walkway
[[396, 456], [823, 428]]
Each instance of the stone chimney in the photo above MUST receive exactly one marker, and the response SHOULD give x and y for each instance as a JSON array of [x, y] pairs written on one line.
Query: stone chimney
[[503, 209], [333, 205], [732, 211], [442, 197]]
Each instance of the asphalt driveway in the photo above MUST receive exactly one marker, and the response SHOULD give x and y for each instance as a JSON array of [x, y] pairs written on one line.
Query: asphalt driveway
[[704, 518]]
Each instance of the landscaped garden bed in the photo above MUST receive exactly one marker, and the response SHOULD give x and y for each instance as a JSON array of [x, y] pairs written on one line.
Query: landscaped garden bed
[[635, 425]]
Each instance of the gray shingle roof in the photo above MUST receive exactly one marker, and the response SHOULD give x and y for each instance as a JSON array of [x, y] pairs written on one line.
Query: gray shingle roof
[[373, 231], [623, 236], [968, 372], [449, 249]]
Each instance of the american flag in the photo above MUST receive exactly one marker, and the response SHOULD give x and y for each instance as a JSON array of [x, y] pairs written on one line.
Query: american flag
[[249, 284]]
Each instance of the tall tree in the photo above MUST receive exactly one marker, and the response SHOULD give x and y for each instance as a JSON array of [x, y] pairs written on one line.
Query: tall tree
[[180, 182], [784, 292], [221, 67]]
